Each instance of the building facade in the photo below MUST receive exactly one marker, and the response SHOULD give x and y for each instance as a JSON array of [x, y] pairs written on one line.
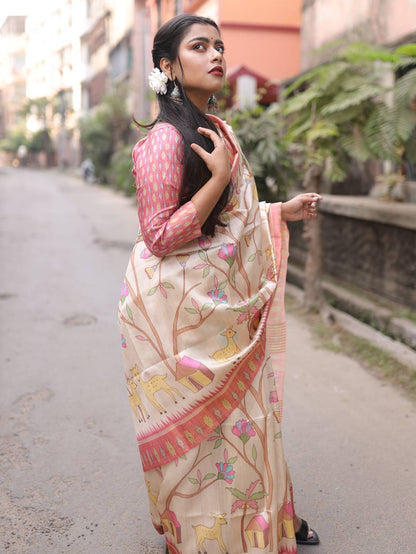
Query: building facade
[[74, 52], [12, 72], [262, 41], [52, 72], [334, 22]]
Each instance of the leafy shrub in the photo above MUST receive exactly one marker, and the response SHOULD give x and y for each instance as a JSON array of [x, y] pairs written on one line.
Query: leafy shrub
[[272, 158], [120, 174], [13, 140], [105, 131], [40, 141], [97, 143]]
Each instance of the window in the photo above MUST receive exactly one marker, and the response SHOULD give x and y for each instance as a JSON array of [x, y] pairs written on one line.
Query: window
[[120, 59]]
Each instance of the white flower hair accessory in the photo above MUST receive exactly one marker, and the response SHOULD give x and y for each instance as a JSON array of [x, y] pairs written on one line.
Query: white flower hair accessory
[[157, 81]]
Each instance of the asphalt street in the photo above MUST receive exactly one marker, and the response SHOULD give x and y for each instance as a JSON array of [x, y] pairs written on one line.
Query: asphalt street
[[70, 470]]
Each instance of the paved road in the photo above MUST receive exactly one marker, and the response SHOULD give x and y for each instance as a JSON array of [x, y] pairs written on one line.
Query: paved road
[[71, 480]]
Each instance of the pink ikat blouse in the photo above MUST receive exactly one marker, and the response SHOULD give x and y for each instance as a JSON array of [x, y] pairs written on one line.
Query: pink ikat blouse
[[158, 171]]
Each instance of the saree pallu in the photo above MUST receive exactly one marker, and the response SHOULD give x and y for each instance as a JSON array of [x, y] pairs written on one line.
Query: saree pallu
[[203, 337]]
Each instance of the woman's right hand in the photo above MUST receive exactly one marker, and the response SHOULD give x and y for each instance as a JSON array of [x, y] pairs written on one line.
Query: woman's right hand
[[217, 161]]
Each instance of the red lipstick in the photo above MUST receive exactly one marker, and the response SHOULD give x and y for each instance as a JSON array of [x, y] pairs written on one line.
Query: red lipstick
[[217, 70]]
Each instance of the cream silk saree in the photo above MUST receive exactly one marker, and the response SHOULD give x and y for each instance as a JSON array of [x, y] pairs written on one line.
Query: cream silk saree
[[203, 336]]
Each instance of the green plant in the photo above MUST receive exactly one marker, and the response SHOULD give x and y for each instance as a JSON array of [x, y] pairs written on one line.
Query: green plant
[[120, 171], [270, 154], [13, 140], [97, 143], [40, 141], [403, 112], [408, 314], [337, 112], [105, 131]]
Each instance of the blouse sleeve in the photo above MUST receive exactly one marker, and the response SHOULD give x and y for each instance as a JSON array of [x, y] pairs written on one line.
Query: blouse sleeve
[[158, 171]]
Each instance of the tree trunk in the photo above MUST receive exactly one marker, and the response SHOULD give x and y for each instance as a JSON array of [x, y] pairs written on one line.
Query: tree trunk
[[313, 298]]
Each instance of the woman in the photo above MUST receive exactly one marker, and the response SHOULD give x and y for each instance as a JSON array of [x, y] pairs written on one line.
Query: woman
[[202, 318]]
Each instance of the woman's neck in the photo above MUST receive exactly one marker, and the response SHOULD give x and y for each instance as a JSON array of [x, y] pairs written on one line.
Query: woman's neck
[[199, 99]]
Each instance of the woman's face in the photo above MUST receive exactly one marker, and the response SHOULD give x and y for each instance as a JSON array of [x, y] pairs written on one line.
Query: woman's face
[[201, 53]]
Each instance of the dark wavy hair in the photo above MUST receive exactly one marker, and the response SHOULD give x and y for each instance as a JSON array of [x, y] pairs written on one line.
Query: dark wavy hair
[[186, 117]]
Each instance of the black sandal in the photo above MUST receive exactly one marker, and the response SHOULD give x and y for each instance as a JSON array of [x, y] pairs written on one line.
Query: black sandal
[[302, 536]]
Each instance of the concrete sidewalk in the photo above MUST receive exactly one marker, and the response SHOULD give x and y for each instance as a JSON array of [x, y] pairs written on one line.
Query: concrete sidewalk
[[350, 444], [71, 473]]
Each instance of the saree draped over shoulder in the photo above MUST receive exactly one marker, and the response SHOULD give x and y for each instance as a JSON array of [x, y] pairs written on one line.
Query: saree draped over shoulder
[[203, 337]]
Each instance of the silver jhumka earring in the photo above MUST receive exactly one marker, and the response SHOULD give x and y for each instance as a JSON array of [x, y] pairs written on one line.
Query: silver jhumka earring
[[175, 95], [213, 104]]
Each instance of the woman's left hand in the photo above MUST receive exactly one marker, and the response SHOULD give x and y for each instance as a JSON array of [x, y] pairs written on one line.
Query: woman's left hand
[[302, 206]]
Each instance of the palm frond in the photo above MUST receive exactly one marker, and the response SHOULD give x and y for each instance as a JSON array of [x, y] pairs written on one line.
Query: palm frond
[[408, 50], [320, 131], [343, 116], [332, 73], [344, 100], [355, 146], [404, 120], [298, 128], [301, 101], [303, 79], [357, 79], [380, 133], [405, 87], [361, 52]]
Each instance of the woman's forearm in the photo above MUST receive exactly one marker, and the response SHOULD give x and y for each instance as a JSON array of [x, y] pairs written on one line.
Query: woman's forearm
[[207, 197]]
